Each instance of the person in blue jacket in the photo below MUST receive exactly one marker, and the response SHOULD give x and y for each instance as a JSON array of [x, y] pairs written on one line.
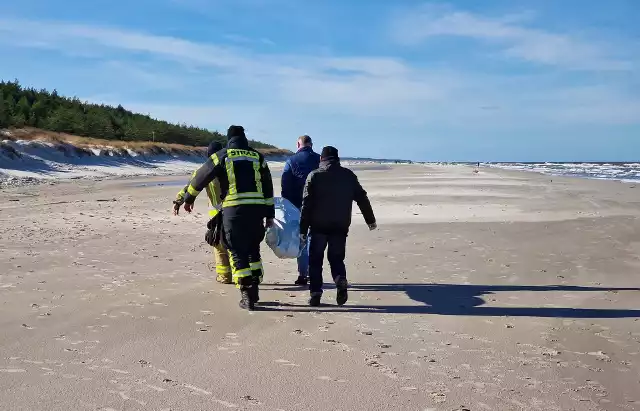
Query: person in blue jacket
[[294, 176]]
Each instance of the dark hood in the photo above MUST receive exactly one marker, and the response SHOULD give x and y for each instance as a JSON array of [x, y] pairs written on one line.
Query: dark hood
[[213, 148], [236, 137]]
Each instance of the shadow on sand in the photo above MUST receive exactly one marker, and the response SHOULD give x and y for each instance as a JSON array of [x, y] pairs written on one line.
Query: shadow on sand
[[459, 299]]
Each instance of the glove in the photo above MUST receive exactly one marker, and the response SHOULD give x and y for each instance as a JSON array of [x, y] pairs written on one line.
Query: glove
[[373, 226], [210, 237]]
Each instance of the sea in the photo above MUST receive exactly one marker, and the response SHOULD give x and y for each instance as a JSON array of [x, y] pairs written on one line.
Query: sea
[[627, 172]]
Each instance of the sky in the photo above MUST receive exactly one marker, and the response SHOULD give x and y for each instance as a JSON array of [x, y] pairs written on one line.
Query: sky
[[494, 80]]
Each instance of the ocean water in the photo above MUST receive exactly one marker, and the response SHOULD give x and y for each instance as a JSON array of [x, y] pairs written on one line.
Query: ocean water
[[629, 172]]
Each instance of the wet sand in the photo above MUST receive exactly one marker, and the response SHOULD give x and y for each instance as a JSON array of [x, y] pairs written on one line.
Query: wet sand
[[492, 291]]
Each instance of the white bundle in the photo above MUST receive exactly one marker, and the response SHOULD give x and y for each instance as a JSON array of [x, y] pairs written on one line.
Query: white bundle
[[284, 237]]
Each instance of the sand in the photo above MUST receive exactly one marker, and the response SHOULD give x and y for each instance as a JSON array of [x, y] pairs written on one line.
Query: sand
[[500, 290]]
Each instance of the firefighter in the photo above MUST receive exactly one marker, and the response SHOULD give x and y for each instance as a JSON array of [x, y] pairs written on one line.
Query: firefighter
[[221, 255], [247, 200]]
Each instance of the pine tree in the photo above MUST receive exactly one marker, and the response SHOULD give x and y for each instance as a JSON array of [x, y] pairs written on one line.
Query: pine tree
[[9, 106], [40, 108], [23, 107], [39, 113], [4, 118], [18, 120]]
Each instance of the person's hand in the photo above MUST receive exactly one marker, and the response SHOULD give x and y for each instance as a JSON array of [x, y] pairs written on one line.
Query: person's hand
[[176, 208], [373, 226], [188, 207], [269, 223]]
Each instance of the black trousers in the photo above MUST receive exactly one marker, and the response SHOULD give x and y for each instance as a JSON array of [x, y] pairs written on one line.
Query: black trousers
[[335, 244], [243, 233]]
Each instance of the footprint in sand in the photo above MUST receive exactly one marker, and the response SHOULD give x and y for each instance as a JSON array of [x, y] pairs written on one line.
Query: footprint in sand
[[327, 378]]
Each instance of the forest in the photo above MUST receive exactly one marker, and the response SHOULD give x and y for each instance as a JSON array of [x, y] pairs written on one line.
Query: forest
[[28, 107]]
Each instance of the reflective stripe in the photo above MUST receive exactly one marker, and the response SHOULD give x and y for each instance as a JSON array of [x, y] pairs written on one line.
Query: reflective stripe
[[245, 272], [258, 177], [215, 159], [269, 201], [243, 195], [245, 158], [231, 175], [191, 190], [258, 267], [213, 212], [214, 192], [234, 153], [223, 269], [258, 201]]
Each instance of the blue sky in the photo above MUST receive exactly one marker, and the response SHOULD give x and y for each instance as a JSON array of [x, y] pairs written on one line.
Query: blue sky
[[460, 80]]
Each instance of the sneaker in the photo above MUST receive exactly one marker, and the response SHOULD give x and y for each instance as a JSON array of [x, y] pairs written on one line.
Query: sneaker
[[246, 302], [342, 295], [301, 280], [314, 301]]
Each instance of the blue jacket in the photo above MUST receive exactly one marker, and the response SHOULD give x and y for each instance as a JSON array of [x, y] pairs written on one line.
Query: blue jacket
[[295, 173]]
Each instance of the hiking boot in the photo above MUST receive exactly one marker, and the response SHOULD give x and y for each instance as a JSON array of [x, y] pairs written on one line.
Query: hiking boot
[[224, 279], [246, 302], [314, 301], [301, 280], [342, 295]]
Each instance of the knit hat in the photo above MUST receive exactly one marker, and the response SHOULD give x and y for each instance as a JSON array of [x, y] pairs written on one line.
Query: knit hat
[[213, 148], [235, 131], [329, 152]]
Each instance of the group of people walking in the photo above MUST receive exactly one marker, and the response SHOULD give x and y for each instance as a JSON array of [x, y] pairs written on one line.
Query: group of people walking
[[238, 183]]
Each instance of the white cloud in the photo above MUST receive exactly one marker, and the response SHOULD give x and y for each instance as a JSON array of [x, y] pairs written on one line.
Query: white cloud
[[355, 82], [509, 33], [277, 95]]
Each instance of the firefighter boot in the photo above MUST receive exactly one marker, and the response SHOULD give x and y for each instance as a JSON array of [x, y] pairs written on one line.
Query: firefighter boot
[[246, 298], [254, 292]]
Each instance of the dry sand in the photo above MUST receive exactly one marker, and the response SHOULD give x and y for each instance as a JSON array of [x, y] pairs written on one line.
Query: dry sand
[[490, 291]]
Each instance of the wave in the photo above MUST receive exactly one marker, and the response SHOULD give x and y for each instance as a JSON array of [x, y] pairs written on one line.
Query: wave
[[629, 172]]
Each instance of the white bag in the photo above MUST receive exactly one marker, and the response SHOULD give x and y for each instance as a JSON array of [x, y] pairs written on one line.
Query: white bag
[[284, 237]]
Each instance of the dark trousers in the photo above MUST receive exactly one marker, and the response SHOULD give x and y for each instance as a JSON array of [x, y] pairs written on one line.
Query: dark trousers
[[335, 244], [243, 233]]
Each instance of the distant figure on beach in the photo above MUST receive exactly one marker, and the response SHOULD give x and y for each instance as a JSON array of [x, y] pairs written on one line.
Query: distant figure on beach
[[294, 175], [220, 252], [327, 204]]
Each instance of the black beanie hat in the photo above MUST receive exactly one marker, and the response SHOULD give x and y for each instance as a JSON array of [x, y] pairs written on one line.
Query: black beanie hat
[[213, 148], [235, 131], [329, 152]]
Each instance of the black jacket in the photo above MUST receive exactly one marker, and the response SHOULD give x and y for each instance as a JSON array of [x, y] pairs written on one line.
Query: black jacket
[[328, 200], [245, 179]]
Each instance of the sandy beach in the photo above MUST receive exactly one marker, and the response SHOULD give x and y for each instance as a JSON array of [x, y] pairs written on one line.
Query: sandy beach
[[497, 290]]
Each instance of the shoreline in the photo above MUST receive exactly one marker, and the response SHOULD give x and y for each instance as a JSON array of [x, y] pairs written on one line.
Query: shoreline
[[583, 174], [11, 181]]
